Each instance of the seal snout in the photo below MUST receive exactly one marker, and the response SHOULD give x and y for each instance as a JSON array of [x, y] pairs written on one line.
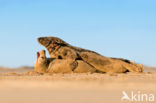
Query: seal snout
[[44, 41], [40, 39]]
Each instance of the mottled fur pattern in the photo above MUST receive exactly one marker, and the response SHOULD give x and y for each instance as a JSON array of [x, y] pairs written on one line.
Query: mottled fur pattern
[[58, 48]]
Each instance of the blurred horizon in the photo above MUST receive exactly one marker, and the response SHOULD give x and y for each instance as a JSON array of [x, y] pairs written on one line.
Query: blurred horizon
[[122, 29]]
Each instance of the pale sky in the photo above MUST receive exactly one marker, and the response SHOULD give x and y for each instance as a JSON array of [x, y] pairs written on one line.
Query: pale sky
[[113, 28]]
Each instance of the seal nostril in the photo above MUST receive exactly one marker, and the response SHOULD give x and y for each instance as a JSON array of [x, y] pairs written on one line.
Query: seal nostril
[[38, 39]]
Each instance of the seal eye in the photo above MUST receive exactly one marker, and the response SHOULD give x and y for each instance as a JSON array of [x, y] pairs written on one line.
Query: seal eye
[[59, 57], [55, 45], [42, 57]]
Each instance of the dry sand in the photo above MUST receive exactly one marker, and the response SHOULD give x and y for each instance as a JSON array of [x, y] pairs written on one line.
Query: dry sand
[[20, 87]]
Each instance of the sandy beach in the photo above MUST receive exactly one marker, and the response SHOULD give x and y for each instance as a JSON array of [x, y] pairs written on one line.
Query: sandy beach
[[77, 51], [17, 86]]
